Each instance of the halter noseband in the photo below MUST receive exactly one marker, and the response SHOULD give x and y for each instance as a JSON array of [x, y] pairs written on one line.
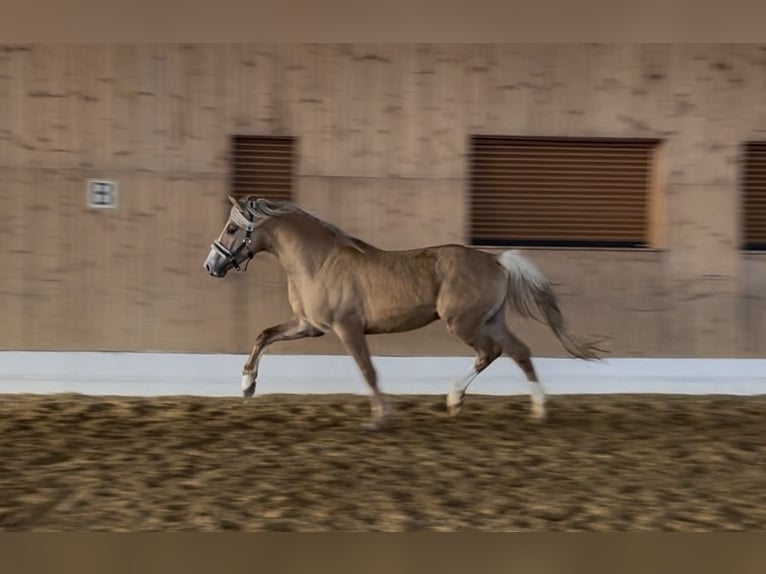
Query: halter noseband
[[229, 256]]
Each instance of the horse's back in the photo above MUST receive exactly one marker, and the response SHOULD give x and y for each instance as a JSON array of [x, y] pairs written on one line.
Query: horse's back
[[411, 288]]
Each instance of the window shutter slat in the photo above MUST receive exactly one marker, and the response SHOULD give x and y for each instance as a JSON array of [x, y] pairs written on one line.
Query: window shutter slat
[[263, 166], [560, 190], [754, 195]]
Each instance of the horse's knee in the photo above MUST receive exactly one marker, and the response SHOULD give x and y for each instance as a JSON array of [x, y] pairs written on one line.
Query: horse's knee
[[262, 337]]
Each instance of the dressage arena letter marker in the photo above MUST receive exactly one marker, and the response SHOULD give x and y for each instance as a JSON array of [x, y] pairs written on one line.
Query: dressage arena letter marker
[[102, 193]]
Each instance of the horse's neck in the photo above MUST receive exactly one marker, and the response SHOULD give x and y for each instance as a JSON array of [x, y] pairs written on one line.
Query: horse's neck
[[301, 246]]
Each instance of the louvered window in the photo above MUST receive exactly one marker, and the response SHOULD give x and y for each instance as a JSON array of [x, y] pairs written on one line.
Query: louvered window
[[754, 196], [263, 166], [561, 191]]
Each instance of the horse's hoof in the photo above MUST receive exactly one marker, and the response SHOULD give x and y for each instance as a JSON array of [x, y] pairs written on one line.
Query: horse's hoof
[[454, 402], [454, 408], [538, 415], [248, 385], [371, 426]]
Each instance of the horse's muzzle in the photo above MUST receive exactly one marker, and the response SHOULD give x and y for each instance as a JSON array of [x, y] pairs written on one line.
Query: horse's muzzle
[[217, 273], [214, 272], [215, 265]]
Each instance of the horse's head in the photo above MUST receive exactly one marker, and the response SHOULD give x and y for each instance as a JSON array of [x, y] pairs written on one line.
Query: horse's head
[[238, 241]]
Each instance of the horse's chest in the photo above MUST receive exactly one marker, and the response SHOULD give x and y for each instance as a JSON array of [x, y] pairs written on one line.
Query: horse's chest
[[295, 299], [310, 302]]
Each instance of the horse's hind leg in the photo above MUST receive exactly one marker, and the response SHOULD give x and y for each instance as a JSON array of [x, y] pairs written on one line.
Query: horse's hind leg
[[489, 340], [519, 351], [484, 358], [487, 350]]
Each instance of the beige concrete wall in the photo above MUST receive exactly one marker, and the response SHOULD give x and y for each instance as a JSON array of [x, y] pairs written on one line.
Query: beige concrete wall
[[382, 140]]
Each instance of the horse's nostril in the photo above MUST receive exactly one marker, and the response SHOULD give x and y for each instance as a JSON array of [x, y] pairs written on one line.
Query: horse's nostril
[[207, 267]]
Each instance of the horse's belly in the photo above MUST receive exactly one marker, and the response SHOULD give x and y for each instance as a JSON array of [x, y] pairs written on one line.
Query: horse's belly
[[397, 319]]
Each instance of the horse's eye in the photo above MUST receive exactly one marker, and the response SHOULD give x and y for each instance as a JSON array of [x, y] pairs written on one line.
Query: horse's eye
[[231, 229]]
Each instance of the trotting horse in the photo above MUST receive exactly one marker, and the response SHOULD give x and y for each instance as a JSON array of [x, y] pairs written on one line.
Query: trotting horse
[[342, 284]]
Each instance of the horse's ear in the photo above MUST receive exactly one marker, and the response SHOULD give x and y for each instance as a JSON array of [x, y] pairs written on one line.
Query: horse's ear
[[234, 201], [251, 203]]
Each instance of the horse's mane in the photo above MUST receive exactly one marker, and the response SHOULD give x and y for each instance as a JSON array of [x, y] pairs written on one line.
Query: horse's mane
[[263, 209]]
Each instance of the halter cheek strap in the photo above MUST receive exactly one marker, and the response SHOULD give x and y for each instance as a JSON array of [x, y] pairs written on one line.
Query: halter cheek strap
[[231, 256]]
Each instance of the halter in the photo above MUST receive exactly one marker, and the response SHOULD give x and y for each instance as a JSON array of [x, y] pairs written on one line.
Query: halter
[[238, 219]]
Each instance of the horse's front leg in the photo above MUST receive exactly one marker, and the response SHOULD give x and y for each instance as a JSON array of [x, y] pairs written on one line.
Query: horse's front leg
[[351, 334], [288, 331]]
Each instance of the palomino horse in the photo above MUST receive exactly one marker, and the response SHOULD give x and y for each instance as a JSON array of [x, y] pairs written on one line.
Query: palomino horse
[[339, 283]]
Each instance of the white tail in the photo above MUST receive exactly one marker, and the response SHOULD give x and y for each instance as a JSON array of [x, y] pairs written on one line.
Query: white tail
[[530, 289]]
